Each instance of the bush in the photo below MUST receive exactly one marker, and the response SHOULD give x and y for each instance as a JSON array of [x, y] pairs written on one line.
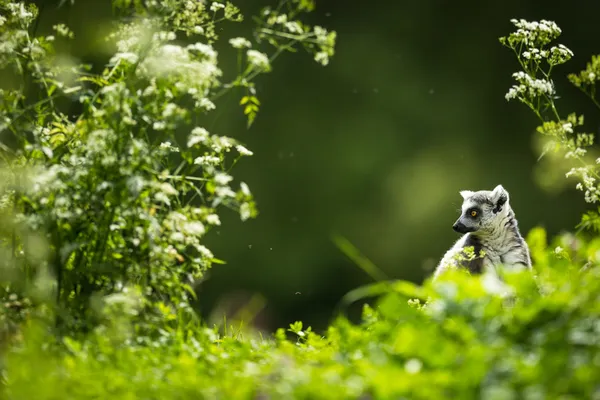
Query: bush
[[124, 191], [467, 341]]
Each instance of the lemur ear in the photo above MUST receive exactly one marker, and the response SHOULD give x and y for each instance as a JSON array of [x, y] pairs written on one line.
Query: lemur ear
[[499, 198], [466, 193]]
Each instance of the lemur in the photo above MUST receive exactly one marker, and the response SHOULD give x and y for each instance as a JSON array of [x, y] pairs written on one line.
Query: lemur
[[488, 223]]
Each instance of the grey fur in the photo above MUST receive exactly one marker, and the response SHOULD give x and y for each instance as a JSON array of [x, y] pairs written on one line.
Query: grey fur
[[494, 230]]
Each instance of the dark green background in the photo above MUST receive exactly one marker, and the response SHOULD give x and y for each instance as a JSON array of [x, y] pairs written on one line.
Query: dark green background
[[376, 146]]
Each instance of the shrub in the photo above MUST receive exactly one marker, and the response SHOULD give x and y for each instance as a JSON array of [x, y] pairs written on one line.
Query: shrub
[[125, 190]]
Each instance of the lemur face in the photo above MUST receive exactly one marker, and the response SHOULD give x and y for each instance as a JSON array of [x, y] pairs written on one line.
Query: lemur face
[[482, 210]]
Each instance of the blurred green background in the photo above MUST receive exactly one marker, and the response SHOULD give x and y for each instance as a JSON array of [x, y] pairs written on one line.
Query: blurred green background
[[374, 147]]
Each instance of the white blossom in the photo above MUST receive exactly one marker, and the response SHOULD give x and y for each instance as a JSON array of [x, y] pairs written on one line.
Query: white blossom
[[243, 151], [259, 60], [240, 42], [245, 189], [213, 219], [128, 56], [207, 160], [194, 228], [214, 7], [198, 135], [222, 178]]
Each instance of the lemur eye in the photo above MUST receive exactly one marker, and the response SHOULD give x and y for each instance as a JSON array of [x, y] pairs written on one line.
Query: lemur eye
[[473, 213]]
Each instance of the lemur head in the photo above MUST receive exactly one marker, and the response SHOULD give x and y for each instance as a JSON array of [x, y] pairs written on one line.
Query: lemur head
[[482, 211]]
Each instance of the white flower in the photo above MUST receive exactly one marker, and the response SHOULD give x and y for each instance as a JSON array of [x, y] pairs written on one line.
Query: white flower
[[568, 127], [222, 143], [135, 184], [281, 19], [204, 251], [512, 93], [194, 228], [245, 189], [177, 237], [206, 104], [164, 36], [203, 49], [294, 27], [223, 178], [170, 110], [245, 211], [168, 146], [213, 219], [128, 56], [214, 7], [259, 60], [322, 58], [198, 135], [224, 191], [207, 160], [163, 198], [243, 151], [240, 42], [168, 189]]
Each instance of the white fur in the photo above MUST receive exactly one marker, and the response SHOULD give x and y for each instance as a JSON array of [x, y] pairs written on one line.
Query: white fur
[[497, 233]]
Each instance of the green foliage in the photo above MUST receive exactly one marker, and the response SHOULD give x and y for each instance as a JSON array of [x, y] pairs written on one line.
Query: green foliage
[[563, 138], [125, 190], [463, 339]]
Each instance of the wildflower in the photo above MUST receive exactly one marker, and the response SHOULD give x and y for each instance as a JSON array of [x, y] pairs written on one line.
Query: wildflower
[[204, 251], [259, 60], [128, 56], [245, 211], [245, 189], [206, 104], [214, 7], [194, 228], [213, 219], [240, 42], [243, 151], [223, 178], [198, 135], [294, 27], [207, 160], [159, 125], [168, 189], [322, 58], [222, 143]]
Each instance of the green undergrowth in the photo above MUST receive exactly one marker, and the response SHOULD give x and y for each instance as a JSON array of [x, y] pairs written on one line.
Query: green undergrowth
[[534, 337]]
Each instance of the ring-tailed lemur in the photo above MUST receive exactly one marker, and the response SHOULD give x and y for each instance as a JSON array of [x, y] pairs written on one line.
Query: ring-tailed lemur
[[489, 224]]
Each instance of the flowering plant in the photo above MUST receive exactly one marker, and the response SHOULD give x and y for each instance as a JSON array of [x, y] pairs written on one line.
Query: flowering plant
[[125, 190], [534, 87]]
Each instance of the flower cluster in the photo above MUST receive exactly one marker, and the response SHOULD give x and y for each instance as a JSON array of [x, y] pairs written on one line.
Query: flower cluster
[[535, 88], [124, 201], [318, 40], [530, 43], [529, 88], [532, 34]]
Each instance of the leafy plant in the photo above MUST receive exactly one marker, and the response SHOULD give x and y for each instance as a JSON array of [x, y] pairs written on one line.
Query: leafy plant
[[564, 138], [125, 189]]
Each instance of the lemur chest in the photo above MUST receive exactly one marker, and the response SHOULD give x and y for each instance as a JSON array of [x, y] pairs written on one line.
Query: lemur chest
[[507, 257]]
